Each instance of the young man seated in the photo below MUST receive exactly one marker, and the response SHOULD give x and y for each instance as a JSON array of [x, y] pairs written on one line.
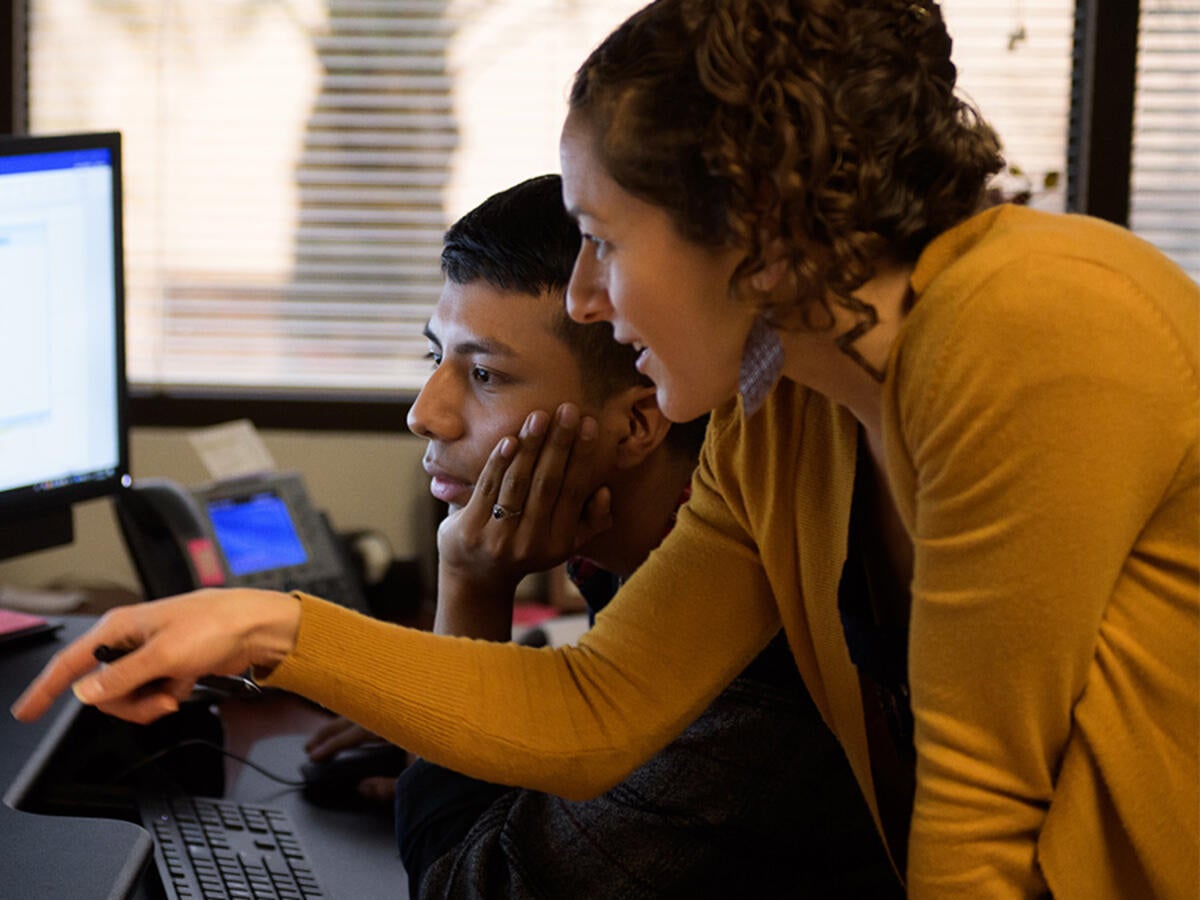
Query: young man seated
[[755, 799]]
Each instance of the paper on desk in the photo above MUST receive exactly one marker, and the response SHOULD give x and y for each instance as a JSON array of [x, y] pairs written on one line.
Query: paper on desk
[[231, 449]]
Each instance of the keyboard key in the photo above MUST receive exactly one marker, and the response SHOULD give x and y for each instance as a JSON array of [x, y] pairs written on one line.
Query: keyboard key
[[220, 850]]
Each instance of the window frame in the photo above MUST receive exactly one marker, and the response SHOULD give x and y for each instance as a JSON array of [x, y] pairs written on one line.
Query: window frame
[[1103, 90], [1098, 183]]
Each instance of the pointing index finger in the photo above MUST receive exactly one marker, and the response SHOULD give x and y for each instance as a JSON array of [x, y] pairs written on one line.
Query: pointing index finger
[[66, 667]]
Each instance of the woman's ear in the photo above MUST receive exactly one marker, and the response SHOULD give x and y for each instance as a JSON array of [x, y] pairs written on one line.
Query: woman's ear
[[766, 279], [645, 426]]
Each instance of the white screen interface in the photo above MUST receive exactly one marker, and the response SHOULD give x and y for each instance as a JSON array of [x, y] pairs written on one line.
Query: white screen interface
[[58, 328]]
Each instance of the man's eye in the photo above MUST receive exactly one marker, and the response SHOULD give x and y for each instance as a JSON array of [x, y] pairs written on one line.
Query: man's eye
[[599, 245], [483, 376]]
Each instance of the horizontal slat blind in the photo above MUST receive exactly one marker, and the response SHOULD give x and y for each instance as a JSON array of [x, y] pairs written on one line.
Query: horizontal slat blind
[[1165, 200], [285, 165], [1014, 62], [290, 167]]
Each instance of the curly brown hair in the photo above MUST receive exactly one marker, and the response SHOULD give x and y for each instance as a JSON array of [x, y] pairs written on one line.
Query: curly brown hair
[[825, 133]]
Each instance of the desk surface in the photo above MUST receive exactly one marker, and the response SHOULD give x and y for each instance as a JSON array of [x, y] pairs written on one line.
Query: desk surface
[[51, 857], [353, 853]]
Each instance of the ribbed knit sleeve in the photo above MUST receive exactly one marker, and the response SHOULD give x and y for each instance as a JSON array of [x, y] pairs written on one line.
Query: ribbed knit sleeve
[[572, 721]]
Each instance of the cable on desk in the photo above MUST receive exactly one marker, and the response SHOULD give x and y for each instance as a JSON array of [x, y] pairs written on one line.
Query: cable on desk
[[201, 742]]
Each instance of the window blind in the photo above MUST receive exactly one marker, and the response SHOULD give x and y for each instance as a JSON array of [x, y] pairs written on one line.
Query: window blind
[[1014, 63], [1164, 203], [284, 165], [290, 167]]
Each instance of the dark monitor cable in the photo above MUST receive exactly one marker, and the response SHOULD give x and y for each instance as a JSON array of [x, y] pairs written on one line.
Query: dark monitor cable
[[201, 742]]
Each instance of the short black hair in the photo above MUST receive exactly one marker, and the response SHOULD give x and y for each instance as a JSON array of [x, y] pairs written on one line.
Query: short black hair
[[522, 239]]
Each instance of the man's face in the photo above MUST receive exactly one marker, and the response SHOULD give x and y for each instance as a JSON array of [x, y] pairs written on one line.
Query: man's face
[[495, 360]]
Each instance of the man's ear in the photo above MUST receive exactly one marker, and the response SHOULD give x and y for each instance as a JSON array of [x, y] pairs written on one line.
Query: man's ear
[[645, 426]]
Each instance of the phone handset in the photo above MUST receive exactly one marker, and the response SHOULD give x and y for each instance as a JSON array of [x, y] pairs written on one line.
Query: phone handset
[[169, 538]]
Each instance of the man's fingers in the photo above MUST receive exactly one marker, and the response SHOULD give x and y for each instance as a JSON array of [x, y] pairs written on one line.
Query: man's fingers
[[552, 463], [478, 510], [334, 743], [576, 482], [577, 479], [502, 485], [325, 740], [512, 495], [326, 732]]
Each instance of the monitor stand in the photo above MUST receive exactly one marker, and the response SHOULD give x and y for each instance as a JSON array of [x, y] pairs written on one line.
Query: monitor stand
[[36, 531]]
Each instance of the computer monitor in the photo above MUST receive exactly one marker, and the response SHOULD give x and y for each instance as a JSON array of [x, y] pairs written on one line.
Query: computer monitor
[[62, 334]]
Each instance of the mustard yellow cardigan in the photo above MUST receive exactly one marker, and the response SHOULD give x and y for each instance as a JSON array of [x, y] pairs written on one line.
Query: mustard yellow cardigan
[[1041, 413]]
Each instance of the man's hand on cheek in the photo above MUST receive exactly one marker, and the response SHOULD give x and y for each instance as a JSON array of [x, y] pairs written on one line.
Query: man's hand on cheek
[[532, 507]]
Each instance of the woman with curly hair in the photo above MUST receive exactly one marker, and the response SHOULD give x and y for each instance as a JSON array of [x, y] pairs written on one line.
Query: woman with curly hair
[[990, 415], [953, 453]]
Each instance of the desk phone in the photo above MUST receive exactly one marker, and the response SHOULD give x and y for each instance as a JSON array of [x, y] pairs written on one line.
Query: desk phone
[[257, 531]]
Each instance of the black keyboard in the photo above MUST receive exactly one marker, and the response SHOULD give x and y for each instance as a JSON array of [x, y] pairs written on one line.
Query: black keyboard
[[208, 849]]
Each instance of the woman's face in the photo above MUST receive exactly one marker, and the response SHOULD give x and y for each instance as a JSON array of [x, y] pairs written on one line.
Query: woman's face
[[665, 295]]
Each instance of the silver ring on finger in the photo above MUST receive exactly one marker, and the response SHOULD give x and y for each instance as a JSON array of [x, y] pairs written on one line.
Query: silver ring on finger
[[500, 511]]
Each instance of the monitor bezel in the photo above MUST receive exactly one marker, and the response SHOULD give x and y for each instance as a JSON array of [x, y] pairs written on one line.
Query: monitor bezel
[[32, 500]]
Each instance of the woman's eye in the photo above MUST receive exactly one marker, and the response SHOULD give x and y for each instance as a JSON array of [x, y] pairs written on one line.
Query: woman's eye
[[435, 359]]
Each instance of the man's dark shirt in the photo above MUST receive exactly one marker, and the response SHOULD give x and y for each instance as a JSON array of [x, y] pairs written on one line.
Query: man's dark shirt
[[754, 799]]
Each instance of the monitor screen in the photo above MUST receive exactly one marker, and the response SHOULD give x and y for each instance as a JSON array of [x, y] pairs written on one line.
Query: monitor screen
[[62, 358], [256, 533]]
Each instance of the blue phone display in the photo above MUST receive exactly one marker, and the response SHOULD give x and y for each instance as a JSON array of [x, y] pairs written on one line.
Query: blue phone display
[[256, 533]]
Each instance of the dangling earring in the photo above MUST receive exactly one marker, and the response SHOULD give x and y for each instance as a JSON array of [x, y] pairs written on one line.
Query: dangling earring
[[762, 363]]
